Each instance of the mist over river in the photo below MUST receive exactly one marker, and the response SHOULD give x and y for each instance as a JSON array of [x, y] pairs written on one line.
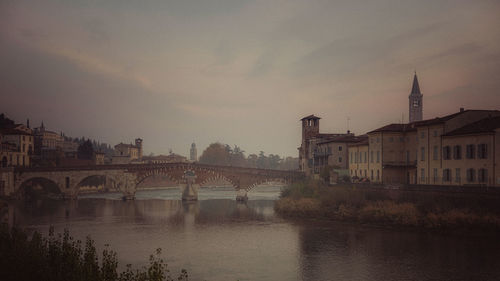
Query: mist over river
[[217, 238]]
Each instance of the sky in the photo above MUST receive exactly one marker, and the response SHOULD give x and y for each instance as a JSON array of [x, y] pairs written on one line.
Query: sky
[[241, 72]]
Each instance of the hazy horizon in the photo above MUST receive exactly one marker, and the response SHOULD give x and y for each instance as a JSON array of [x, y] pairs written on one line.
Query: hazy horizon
[[241, 72]]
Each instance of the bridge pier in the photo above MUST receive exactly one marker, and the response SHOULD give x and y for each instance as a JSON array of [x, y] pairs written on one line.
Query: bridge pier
[[190, 192], [241, 195], [128, 196]]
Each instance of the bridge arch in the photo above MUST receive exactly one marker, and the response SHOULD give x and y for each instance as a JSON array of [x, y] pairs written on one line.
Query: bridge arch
[[215, 178], [37, 187], [90, 180], [156, 172]]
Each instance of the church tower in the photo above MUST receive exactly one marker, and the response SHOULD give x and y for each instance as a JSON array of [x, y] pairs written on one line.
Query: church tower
[[415, 101], [193, 155]]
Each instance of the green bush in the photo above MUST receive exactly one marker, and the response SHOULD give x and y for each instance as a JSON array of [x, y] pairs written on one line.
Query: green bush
[[62, 258]]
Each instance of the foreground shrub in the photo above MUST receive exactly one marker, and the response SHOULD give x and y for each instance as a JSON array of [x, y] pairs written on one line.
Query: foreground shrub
[[62, 258], [302, 207], [390, 212]]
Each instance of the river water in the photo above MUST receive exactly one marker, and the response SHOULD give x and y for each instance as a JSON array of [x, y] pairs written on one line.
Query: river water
[[217, 238]]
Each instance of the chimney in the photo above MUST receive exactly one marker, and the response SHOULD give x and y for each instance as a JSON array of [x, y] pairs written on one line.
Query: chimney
[[28, 123], [461, 109]]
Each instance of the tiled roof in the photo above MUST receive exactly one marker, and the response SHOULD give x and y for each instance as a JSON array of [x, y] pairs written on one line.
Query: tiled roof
[[345, 138], [440, 120], [394, 128], [310, 117], [12, 131], [486, 125]]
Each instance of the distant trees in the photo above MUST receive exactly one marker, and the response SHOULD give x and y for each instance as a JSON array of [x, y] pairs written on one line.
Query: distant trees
[[223, 154], [85, 150]]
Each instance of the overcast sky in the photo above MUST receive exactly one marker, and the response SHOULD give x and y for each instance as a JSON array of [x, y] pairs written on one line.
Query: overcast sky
[[241, 72]]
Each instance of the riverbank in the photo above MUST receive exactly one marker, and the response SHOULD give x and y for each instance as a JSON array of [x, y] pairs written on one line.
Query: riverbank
[[61, 257], [430, 210]]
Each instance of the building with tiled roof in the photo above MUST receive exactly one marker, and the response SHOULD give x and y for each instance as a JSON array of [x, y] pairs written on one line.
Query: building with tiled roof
[[432, 151], [318, 150]]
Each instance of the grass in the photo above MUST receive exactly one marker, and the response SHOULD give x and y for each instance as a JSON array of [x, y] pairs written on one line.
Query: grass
[[313, 199]]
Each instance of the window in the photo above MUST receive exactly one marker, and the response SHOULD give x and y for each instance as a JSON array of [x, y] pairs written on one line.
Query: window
[[422, 175], [471, 175], [371, 156], [378, 140], [350, 157], [407, 156], [435, 174], [356, 157], [391, 139], [446, 175], [457, 175], [371, 172], [435, 133], [422, 154], [67, 182], [378, 174], [340, 159], [457, 152], [401, 139], [378, 156], [482, 175], [470, 151], [422, 135], [482, 151], [446, 153], [435, 153], [340, 148], [366, 157]]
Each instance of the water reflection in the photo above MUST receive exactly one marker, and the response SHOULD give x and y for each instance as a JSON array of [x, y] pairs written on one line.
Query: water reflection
[[221, 239]]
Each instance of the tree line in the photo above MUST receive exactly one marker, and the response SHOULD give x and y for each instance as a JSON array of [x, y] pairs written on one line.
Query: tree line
[[225, 155]]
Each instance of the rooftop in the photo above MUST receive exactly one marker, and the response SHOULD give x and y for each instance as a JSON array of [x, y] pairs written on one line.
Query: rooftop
[[394, 128], [13, 131], [486, 125], [345, 138], [310, 117]]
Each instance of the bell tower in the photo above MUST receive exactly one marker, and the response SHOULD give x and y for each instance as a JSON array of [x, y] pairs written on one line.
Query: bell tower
[[415, 101], [310, 129]]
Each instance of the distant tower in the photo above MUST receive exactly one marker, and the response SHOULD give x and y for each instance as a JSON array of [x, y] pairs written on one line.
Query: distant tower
[[415, 101], [138, 144], [193, 154], [310, 129]]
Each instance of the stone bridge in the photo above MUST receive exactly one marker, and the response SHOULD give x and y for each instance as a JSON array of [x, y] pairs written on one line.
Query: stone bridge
[[126, 178]]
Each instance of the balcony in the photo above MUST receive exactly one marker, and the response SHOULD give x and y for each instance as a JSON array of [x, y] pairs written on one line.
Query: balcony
[[410, 164]]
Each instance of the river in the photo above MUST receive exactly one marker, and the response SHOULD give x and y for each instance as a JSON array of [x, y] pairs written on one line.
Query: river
[[217, 238]]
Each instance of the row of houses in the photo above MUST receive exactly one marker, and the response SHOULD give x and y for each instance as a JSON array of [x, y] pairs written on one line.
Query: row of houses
[[458, 149]]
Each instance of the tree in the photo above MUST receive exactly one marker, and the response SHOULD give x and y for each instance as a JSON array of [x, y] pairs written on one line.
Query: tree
[[86, 150], [216, 154]]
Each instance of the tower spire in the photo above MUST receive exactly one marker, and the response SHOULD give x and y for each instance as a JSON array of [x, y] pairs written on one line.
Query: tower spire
[[415, 101], [415, 89]]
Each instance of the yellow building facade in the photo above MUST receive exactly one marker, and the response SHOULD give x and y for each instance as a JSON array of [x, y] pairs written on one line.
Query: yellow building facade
[[440, 151]]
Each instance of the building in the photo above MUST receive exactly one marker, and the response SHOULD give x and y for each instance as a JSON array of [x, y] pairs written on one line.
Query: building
[[359, 156], [193, 155], [415, 101], [332, 152], [16, 147], [171, 158], [457, 149], [313, 151], [126, 153]]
